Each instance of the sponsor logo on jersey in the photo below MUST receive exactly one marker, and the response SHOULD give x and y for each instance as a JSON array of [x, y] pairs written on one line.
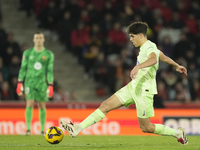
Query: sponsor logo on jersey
[[143, 113], [149, 47], [44, 57], [37, 65], [31, 57]]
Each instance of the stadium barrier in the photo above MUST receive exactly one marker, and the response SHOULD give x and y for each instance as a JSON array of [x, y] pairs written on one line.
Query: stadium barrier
[[117, 122], [86, 105]]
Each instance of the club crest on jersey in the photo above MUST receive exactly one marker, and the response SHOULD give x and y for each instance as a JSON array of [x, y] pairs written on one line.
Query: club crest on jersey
[[37, 65], [44, 57]]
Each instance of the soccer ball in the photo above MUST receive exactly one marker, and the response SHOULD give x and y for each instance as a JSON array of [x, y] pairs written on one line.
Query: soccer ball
[[54, 135]]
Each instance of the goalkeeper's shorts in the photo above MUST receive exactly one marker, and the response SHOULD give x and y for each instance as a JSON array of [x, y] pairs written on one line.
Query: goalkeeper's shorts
[[32, 93]]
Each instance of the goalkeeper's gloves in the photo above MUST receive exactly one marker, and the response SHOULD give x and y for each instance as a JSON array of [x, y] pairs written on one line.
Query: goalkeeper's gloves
[[50, 90], [20, 88]]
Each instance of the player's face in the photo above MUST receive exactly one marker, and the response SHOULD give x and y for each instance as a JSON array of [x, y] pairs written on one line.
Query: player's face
[[135, 39], [38, 39]]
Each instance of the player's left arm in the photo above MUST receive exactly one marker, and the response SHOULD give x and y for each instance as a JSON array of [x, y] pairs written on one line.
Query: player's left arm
[[152, 60], [179, 68], [50, 77]]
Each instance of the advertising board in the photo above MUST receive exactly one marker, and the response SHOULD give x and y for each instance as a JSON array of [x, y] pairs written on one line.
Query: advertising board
[[116, 122]]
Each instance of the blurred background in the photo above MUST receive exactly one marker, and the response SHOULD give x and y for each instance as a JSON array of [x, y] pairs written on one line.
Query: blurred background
[[93, 54]]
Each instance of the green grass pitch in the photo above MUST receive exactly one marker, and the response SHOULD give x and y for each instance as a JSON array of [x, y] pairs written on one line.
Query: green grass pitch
[[36, 142]]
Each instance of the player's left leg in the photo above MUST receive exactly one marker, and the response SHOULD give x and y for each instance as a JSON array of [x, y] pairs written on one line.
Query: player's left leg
[[42, 110], [121, 98], [111, 103], [41, 98]]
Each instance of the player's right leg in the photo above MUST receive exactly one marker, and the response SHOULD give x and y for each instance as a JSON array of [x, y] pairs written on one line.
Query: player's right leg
[[179, 134], [182, 136], [148, 127], [111, 103], [144, 106], [29, 113]]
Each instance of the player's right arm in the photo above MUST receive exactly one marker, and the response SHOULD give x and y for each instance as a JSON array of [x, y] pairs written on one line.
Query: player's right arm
[[22, 74], [169, 61]]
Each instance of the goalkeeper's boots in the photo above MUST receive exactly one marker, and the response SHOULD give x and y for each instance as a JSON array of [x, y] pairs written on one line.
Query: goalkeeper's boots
[[182, 139], [28, 132], [72, 129], [42, 133]]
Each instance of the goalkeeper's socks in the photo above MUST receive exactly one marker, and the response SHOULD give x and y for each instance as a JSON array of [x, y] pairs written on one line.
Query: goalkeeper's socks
[[93, 118], [163, 130], [29, 113], [42, 119]]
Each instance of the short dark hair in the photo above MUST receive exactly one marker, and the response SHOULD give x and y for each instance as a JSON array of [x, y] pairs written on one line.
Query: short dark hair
[[38, 32], [138, 27]]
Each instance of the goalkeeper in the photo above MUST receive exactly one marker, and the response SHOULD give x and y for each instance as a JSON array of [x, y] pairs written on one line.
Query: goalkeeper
[[36, 79]]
